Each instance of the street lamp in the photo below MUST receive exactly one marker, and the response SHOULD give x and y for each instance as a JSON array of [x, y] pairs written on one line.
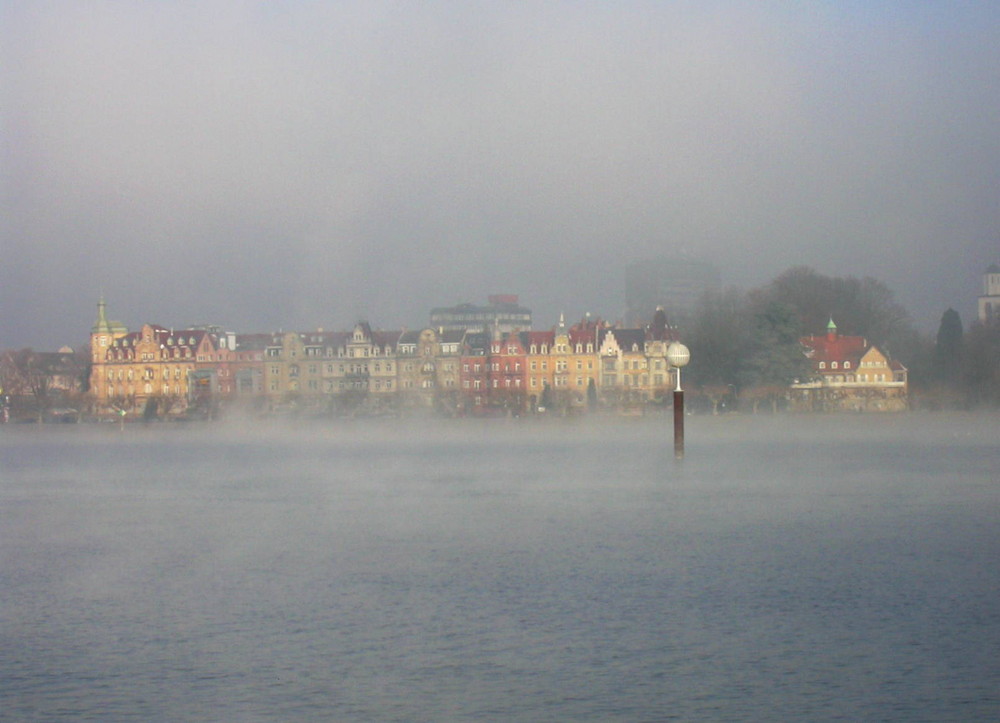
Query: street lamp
[[678, 356]]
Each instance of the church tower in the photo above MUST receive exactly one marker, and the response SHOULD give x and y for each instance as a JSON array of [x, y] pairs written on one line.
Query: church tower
[[102, 335], [989, 302], [104, 332]]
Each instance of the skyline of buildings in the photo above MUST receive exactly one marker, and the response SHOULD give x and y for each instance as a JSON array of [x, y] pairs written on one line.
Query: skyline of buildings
[[475, 358]]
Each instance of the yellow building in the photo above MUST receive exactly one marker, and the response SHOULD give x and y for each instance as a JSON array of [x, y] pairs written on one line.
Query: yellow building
[[133, 368], [849, 374]]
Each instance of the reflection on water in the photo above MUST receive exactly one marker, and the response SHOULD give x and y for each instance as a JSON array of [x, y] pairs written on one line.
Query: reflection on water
[[815, 567]]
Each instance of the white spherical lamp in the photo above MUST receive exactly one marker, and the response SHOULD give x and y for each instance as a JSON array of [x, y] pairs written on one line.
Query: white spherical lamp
[[678, 355]]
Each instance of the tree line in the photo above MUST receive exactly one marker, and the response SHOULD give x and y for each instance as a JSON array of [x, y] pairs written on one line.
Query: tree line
[[745, 346]]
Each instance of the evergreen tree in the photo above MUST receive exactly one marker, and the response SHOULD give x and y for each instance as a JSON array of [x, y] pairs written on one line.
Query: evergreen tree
[[948, 348], [774, 356]]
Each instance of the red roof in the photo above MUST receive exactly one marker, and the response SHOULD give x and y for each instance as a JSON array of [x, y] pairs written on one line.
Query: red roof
[[835, 348]]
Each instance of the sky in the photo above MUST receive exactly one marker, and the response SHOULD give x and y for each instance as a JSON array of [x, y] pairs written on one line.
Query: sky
[[295, 165]]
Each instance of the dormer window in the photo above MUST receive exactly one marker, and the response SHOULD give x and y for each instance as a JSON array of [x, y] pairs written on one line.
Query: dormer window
[[847, 365], [822, 365], [833, 365]]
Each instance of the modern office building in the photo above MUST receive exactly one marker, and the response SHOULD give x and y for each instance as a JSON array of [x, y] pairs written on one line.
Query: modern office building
[[672, 282], [503, 313]]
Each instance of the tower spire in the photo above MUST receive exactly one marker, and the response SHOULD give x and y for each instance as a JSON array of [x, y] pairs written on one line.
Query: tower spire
[[102, 319]]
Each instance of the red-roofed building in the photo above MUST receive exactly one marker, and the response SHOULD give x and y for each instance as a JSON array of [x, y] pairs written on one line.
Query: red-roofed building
[[849, 374]]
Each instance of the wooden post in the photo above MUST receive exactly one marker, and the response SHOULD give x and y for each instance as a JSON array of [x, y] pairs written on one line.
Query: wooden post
[[678, 424]]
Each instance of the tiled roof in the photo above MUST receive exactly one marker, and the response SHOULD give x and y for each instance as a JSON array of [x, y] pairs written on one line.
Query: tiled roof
[[537, 338], [386, 338], [829, 348], [252, 342], [630, 338]]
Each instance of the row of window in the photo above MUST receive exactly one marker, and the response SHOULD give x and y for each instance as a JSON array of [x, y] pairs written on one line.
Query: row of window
[[148, 373], [847, 364]]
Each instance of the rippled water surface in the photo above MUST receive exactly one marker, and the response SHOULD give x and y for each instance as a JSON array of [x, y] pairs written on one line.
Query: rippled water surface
[[808, 567]]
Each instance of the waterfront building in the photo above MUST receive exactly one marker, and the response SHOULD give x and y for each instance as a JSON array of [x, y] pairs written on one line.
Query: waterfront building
[[299, 371], [583, 359], [658, 337], [473, 373], [246, 364], [136, 367], [429, 376], [633, 363], [507, 373], [450, 370], [366, 363], [849, 374], [540, 368]]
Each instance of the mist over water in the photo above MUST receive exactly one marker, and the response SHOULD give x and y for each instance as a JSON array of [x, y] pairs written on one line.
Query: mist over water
[[806, 567]]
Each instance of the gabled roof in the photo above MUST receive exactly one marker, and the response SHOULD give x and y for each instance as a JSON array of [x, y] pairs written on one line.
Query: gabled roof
[[834, 347], [585, 332], [386, 338], [537, 338], [512, 339], [630, 338]]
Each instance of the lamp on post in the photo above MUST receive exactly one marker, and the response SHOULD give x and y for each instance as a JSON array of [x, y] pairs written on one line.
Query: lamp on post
[[678, 356]]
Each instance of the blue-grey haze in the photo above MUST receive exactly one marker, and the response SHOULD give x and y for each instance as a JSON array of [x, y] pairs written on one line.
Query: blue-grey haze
[[811, 568], [274, 164]]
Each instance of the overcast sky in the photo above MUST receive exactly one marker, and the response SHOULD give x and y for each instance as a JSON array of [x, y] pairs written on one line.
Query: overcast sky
[[302, 164]]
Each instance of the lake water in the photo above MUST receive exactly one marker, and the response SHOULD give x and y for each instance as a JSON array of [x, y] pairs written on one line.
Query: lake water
[[812, 568]]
